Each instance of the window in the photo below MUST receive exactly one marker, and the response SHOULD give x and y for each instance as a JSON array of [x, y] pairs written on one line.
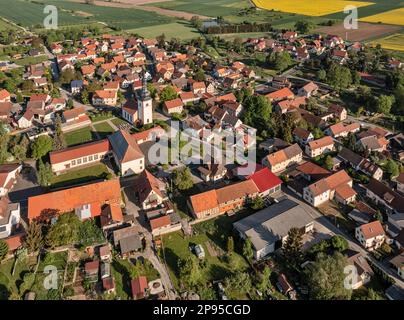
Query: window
[[90, 158], [73, 162], [84, 159], [3, 228], [95, 156], [78, 161]]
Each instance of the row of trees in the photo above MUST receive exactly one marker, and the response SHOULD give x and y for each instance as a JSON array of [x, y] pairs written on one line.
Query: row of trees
[[239, 28]]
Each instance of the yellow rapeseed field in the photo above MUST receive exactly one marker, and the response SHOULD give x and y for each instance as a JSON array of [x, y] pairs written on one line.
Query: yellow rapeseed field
[[388, 17], [308, 7], [393, 42]]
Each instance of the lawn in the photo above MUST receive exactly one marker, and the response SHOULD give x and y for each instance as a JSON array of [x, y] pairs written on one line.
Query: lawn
[[12, 283], [31, 60], [96, 172], [212, 233], [103, 129], [118, 121], [79, 136], [124, 271]]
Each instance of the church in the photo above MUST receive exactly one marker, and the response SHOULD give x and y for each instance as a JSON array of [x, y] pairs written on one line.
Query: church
[[140, 110]]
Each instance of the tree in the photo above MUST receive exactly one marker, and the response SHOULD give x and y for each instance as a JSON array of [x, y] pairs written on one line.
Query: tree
[[392, 168], [168, 93], [321, 75], [304, 26], [265, 282], [325, 277], [34, 238], [279, 60], [339, 243], [257, 203], [70, 103], [19, 151], [4, 139], [199, 75], [239, 282], [317, 133], [196, 22], [384, 104], [328, 163], [183, 179], [339, 76], [152, 90], [85, 96], [59, 141], [64, 231], [230, 245], [44, 173], [67, 76], [41, 146], [189, 270], [248, 250], [28, 282], [257, 112], [3, 249], [292, 248]]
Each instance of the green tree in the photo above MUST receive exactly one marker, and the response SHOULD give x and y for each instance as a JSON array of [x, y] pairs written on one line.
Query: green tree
[[196, 22], [41, 146], [279, 60], [392, 168], [85, 96], [44, 173], [257, 203], [168, 93], [19, 151], [257, 112], [265, 279], [304, 26], [34, 239], [199, 75], [230, 245], [190, 271], [239, 282], [4, 139], [292, 249], [59, 141], [325, 277], [183, 179], [3, 249], [321, 75], [248, 251], [28, 282], [384, 104], [317, 133], [339, 77], [328, 163], [64, 231], [339, 243], [67, 76]]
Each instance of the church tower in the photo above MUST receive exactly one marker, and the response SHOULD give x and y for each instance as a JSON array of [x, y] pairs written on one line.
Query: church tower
[[145, 104]]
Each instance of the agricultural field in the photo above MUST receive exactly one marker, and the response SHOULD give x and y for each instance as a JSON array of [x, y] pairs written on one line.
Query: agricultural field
[[30, 14], [388, 17], [181, 30], [309, 8], [392, 42]]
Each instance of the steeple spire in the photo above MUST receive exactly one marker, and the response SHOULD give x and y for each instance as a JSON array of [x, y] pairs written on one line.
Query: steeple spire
[[145, 95]]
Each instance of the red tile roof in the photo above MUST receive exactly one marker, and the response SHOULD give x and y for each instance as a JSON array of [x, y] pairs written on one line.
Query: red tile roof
[[265, 180], [139, 285], [372, 229], [160, 222]]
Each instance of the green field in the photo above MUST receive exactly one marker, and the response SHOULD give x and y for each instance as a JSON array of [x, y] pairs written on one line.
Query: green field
[[180, 29], [31, 60], [30, 14], [103, 129], [95, 172]]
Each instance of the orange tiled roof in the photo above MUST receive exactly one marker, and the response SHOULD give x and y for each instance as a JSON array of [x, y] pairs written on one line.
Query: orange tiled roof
[[372, 229], [320, 143], [64, 201]]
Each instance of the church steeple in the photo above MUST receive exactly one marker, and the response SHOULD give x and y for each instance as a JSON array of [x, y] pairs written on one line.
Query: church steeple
[[145, 95]]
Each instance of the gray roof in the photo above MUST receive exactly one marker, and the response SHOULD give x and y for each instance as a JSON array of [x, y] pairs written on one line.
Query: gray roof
[[273, 223], [292, 151], [129, 244], [352, 157], [394, 292]]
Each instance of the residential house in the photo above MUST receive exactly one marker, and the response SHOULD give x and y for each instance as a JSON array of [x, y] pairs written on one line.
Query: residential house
[[139, 288], [381, 194], [74, 119], [5, 96], [327, 188], [105, 98], [8, 177], [266, 182], [76, 86], [282, 159], [373, 143], [338, 111], [400, 183], [360, 164], [173, 106], [339, 129], [149, 191], [302, 136], [371, 235], [281, 94], [319, 147], [398, 263], [308, 90], [212, 172], [362, 267], [9, 216]]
